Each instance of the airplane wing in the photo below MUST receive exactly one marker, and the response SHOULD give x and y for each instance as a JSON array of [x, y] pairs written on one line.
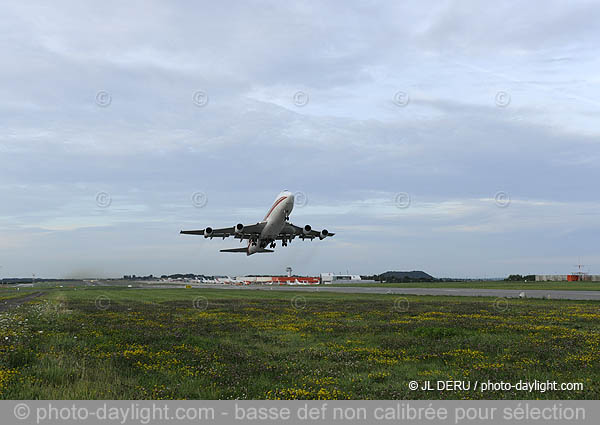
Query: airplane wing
[[290, 231], [247, 232], [192, 232]]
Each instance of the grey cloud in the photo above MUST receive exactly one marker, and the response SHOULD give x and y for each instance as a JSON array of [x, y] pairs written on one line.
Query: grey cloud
[[152, 147]]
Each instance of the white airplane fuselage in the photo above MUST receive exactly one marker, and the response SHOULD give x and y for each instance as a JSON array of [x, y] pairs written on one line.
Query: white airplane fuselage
[[275, 219]]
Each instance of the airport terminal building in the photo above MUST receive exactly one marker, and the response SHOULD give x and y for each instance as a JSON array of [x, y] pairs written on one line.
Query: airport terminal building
[[329, 278]]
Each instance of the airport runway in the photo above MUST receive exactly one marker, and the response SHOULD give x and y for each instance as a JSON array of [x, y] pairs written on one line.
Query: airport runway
[[462, 292]]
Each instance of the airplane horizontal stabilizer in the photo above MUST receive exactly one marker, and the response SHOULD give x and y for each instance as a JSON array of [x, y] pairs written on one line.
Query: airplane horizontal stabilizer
[[246, 250]]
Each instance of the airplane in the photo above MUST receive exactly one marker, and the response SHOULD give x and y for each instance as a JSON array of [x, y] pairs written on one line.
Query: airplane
[[275, 226]]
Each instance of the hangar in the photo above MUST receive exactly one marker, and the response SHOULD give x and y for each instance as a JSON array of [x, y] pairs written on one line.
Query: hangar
[[567, 277], [329, 278]]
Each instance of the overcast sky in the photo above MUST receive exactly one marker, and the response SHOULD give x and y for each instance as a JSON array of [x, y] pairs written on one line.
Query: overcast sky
[[451, 137]]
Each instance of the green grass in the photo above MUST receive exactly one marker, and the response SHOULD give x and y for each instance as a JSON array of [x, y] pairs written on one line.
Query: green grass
[[487, 284], [7, 293], [119, 343]]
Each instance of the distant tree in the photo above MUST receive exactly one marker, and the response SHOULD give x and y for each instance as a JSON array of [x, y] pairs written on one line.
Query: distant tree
[[514, 278], [529, 278]]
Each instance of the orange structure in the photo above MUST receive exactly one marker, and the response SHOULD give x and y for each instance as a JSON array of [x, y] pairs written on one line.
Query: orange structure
[[305, 280]]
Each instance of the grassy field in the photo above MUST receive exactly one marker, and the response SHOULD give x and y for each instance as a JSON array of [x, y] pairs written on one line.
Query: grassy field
[[488, 284], [8, 293], [119, 343]]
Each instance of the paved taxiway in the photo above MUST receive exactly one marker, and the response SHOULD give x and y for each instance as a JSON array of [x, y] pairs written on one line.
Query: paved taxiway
[[463, 292]]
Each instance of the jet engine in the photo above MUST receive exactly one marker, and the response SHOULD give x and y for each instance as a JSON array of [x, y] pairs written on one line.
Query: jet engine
[[306, 230], [239, 227], [208, 232], [323, 234]]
